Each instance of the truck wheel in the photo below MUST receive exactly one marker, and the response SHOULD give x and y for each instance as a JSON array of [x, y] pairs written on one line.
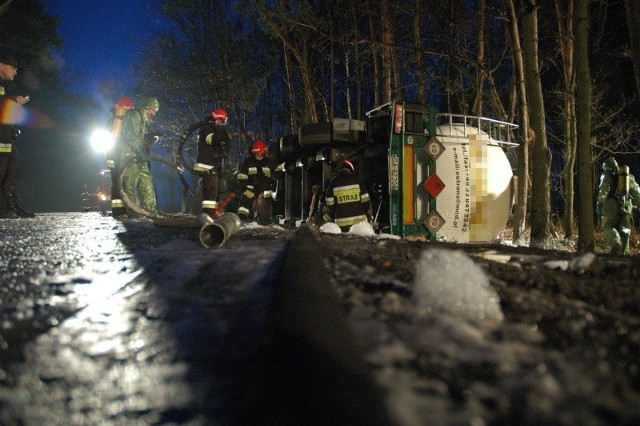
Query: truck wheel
[[289, 144], [315, 134]]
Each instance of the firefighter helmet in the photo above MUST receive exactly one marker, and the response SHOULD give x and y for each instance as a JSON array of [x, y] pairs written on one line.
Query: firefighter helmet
[[259, 147], [346, 164], [219, 114], [125, 103], [610, 164], [151, 103]]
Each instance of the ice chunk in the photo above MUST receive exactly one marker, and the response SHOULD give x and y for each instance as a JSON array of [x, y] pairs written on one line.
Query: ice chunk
[[363, 228], [448, 280], [330, 228]]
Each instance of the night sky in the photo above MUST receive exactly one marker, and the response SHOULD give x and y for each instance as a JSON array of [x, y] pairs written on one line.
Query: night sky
[[102, 39]]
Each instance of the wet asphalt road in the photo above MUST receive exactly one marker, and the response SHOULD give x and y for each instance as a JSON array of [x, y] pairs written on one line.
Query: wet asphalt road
[[96, 327], [56, 264]]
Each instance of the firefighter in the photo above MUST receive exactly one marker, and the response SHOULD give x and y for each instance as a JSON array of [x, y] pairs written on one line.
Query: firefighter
[[257, 180], [9, 172], [617, 195], [114, 125], [347, 200], [213, 150], [137, 179]]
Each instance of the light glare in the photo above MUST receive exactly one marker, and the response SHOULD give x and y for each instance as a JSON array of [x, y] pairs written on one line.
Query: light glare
[[102, 140]]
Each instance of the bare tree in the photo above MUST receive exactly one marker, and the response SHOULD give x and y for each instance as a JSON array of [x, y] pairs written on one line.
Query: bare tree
[[387, 49], [566, 42], [633, 20], [202, 62], [421, 72], [480, 74], [296, 32], [520, 214], [541, 155], [586, 226]]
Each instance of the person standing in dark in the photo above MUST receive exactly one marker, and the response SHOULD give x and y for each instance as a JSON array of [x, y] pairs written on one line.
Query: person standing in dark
[[115, 124], [137, 179], [9, 171], [213, 149], [618, 193], [347, 200]]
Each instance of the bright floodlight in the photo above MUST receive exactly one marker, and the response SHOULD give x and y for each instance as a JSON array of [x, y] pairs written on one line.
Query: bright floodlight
[[102, 140]]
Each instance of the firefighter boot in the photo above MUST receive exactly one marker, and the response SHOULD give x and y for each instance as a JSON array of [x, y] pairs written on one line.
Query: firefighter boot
[[118, 209], [625, 234], [263, 209], [14, 211], [616, 243], [210, 207]]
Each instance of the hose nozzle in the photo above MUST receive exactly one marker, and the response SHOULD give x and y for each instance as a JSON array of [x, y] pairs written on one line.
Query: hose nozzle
[[214, 233]]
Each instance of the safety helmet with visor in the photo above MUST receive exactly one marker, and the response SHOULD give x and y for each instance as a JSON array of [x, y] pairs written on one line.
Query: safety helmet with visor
[[346, 165], [259, 147], [219, 114]]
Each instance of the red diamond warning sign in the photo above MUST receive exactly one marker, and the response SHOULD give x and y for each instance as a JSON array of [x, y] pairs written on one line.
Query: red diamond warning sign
[[433, 185]]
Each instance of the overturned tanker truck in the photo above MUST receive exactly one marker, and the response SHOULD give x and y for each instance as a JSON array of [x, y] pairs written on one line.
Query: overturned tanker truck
[[438, 176]]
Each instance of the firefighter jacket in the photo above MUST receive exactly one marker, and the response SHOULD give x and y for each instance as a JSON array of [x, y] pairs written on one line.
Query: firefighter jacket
[[347, 200], [610, 202], [132, 140], [213, 147], [8, 133], [258, 177]]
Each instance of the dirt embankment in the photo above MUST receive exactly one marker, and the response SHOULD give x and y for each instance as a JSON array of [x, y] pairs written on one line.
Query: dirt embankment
[[571, 332]]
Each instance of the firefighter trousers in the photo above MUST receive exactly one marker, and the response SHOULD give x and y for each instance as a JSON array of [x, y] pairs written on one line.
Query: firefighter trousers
[[137, 183], [616, 225], [259, 208], [9, 173]]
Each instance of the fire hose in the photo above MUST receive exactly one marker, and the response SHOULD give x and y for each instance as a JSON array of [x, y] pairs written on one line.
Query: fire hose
[[167, 220]]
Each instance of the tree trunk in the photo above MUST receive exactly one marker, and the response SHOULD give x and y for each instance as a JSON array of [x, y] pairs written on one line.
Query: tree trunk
[[375, 65], [540, 153], [586, 227], [359, 98], [633, 20], [292, 99], [480, 75], [570, 143], [420, 60], [387, 44], [520, 213], [566, 42]]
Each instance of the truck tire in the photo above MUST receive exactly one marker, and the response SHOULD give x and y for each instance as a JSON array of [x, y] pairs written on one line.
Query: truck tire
[[289, 144], [315, 134]]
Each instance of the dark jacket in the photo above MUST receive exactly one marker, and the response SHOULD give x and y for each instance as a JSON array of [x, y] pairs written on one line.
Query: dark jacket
[[258, 175], [8, 133], [347, 200], [213, 144]]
